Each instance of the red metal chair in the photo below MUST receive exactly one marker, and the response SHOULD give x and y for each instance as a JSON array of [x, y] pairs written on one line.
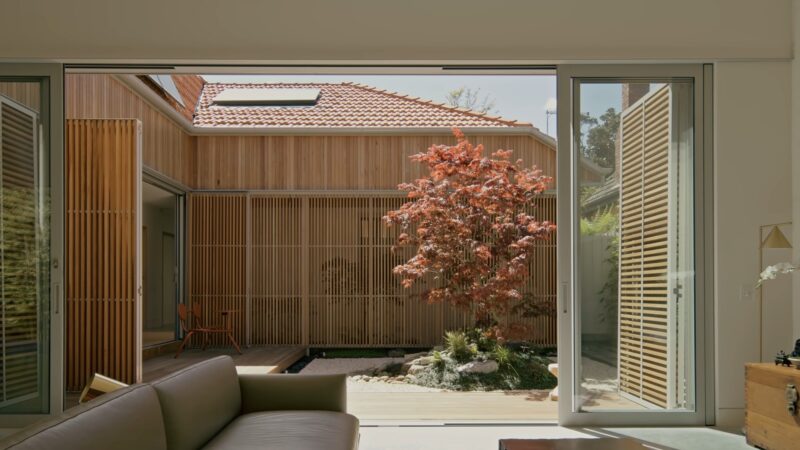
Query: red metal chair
[[192, 323]]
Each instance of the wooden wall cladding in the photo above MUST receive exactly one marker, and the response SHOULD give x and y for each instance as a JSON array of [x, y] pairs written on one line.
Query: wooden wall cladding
[[646, 361], [102, 240], [315, 268], [166, 147], [336, 162]]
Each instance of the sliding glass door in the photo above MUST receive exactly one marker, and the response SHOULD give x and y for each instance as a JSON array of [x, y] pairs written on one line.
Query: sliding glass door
[[30, 242], [631, 266]]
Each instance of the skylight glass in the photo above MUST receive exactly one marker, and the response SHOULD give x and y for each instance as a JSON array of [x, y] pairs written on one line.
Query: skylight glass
[[267, 97], [166, 83]]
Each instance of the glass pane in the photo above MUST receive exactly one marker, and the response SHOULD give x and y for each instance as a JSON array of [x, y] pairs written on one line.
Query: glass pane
[[635, 260], [24, 251], [159, 265]]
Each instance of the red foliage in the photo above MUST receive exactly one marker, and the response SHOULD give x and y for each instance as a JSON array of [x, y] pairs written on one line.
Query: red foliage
[[469, 221]]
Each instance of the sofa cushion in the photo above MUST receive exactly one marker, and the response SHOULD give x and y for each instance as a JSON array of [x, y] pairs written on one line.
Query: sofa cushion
[[308, 430], [126, 419], [197, 402]]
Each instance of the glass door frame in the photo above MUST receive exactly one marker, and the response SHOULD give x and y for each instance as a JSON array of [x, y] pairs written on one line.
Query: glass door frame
[[569, 77], [180, 191], [51, 77]]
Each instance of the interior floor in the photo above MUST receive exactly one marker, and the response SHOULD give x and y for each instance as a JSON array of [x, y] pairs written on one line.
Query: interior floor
[[438, 436], [155, 337]]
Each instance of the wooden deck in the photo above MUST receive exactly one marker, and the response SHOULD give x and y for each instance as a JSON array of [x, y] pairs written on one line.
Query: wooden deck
[[253, 360], [495, 406], [533, 406]]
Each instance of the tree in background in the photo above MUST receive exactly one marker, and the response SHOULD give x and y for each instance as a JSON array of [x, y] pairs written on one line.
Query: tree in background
[[468, 98], [469, 220], [600, 140]]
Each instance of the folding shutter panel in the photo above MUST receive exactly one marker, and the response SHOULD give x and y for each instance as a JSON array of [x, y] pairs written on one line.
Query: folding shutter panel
[[646, 353], [19, 250], [103, 235]]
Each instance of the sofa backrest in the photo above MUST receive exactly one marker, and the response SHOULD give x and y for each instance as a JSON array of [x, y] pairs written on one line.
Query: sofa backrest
[[197, 402], [127, 419]]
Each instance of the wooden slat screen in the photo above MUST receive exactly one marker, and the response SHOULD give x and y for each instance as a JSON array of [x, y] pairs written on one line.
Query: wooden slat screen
[[218, 254], [21, 255], [645, 362], [103, 172], [319, 271], [276, 252]]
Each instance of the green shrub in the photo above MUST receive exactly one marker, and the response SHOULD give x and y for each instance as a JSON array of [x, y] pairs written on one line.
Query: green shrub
[[481, 339], [458, 345], [504, 356], [438, 360]]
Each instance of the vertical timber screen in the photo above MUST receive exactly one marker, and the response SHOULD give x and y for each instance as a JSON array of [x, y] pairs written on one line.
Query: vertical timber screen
[[315, 268], [103, 168]]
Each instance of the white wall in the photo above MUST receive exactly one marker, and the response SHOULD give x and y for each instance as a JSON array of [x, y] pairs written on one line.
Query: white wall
[[752, 187], [258, 30], [796, 165]]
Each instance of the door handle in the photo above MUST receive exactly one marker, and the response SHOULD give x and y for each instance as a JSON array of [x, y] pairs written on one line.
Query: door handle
[[564, 296], [57, 299]]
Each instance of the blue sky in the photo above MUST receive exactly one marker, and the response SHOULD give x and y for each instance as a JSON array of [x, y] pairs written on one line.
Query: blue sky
[[521, 97]]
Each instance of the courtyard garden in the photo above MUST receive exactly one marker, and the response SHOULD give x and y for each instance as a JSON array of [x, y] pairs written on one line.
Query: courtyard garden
[[468, 361]]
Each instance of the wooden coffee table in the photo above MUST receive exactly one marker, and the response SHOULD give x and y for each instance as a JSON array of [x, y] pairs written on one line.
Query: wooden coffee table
[[570, 444]]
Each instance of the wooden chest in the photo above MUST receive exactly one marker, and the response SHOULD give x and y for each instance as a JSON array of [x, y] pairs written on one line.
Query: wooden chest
[[768, 422]]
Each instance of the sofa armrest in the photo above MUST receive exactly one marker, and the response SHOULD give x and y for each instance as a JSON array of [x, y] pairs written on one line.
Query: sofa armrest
[[261, 392]]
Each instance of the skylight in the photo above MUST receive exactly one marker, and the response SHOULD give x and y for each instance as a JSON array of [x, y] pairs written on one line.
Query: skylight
[[166, 83], [267, 97]]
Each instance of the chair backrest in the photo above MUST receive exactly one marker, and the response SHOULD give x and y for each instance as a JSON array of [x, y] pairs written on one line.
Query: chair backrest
[[198, 315], [185, 316]]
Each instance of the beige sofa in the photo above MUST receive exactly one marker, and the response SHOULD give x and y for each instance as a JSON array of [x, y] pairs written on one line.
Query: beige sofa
[[206, 405]]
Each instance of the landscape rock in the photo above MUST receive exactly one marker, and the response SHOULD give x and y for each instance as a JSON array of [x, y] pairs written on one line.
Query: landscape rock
[[415, 369], [423, 361], [489, 366], [412, 356]]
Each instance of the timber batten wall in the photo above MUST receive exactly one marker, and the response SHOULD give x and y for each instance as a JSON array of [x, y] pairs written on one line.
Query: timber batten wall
[[338, 162], [102, 163], [315, 268], [166, 147]]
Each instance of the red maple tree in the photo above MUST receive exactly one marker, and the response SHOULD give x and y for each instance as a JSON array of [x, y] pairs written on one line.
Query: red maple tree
[[470, 223]]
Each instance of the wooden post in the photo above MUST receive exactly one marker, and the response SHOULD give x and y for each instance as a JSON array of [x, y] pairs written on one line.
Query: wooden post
[[304, 272]]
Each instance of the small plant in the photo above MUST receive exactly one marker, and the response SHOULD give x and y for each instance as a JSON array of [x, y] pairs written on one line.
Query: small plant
[[483, 340], [458, 345], [504, 356], [439, 362]]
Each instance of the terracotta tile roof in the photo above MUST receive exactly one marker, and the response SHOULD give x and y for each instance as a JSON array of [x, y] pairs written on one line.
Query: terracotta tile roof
[[340, 105], [190, 87]]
